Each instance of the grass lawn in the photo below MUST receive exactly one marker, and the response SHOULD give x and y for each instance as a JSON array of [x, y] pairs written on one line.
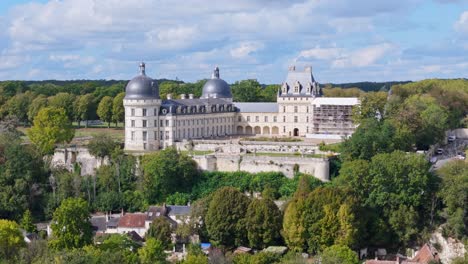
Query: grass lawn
[[272, 139], [115, 133], [278, 154], [197, 152]]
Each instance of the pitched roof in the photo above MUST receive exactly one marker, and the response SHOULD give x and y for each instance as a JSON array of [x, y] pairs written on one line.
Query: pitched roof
[[257, 107], [179, 210], [98, 223], [423, 256], [132, 220]]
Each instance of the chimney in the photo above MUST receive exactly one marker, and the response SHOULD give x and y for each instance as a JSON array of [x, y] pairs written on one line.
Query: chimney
[[183, 96], [169, 96], [308, 69], [190, 96]]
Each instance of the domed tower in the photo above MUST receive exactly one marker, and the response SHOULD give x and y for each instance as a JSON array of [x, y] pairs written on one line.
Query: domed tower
[[142, 104], [216, 87]]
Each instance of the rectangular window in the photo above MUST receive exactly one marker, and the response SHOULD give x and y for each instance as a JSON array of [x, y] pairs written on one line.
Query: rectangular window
[[144, 145], [295, 119], [144, 112], [284, 129], [307, 129], [307, 108], [160, 135], [167, 134], [307, 120], [155, 112], [145, 135], [248, 119], [284, 109], [133, 123], [284, 119], [161, 123], [155, 135], [256, 119], [274, 119], [144, 123], [295, 109], [266, 118], [133, 111], [133, 135], [167, 122]]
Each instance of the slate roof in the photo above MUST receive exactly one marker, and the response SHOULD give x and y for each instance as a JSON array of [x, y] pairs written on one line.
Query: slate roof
[[132, 220], [194, 102], [179, 210], [98, 223], [113, 222], [257, 107]]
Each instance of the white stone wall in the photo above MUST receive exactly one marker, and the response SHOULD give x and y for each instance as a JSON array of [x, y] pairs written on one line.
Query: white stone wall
[[67, 157], [318, 167], [137, 123]]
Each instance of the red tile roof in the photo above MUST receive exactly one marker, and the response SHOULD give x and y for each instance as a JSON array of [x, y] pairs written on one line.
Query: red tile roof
[[423, 256], [132, 220]]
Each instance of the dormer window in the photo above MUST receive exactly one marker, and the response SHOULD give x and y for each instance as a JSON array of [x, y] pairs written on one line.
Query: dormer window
[[297, 87], [284, 88]]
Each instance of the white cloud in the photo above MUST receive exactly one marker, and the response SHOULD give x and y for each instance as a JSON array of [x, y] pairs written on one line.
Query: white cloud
[[321, 53], [462, 23], [245, 49], [364, 57]]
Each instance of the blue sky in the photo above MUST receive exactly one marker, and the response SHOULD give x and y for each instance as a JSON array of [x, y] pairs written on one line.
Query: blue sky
[[343, 40]]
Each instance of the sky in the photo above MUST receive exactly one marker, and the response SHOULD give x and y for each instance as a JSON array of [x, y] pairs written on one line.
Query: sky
[[343, 40]]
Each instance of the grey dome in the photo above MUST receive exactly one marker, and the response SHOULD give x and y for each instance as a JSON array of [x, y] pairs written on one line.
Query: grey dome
[[216, 87], [142, 86]]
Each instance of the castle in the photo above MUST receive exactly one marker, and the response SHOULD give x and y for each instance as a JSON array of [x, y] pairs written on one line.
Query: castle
[[153, 123]]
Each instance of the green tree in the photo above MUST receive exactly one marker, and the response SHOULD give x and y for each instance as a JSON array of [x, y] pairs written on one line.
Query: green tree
[[71, 227], [339, 255], [104, 110], [84, 106], [152, 252], [263, 222], [51, 126], [118, 109], [195, 259], [167, 172], [225, 219], [246, 91], [161, 230], [66, 102], [22, 177], [294, 231], [18, 106], [454, 194], [372, 105], [11, 239], [27, 222], [404, 222], [37, 104]]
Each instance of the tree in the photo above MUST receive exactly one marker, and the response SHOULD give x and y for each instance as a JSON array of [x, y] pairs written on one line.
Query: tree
[[118, 109], [84, 105], [37, 104], [246, 91], [454, 194], [152, 252], [27, 222], [195, 259], [104, 110], [71, 227], [225, 219], [160, 229], [166, 172], [18, 106], [294, 231], [263, 222], [66, 102], [339, 255], [372, 105], [22, 177], [11, 239], [51, 126]]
